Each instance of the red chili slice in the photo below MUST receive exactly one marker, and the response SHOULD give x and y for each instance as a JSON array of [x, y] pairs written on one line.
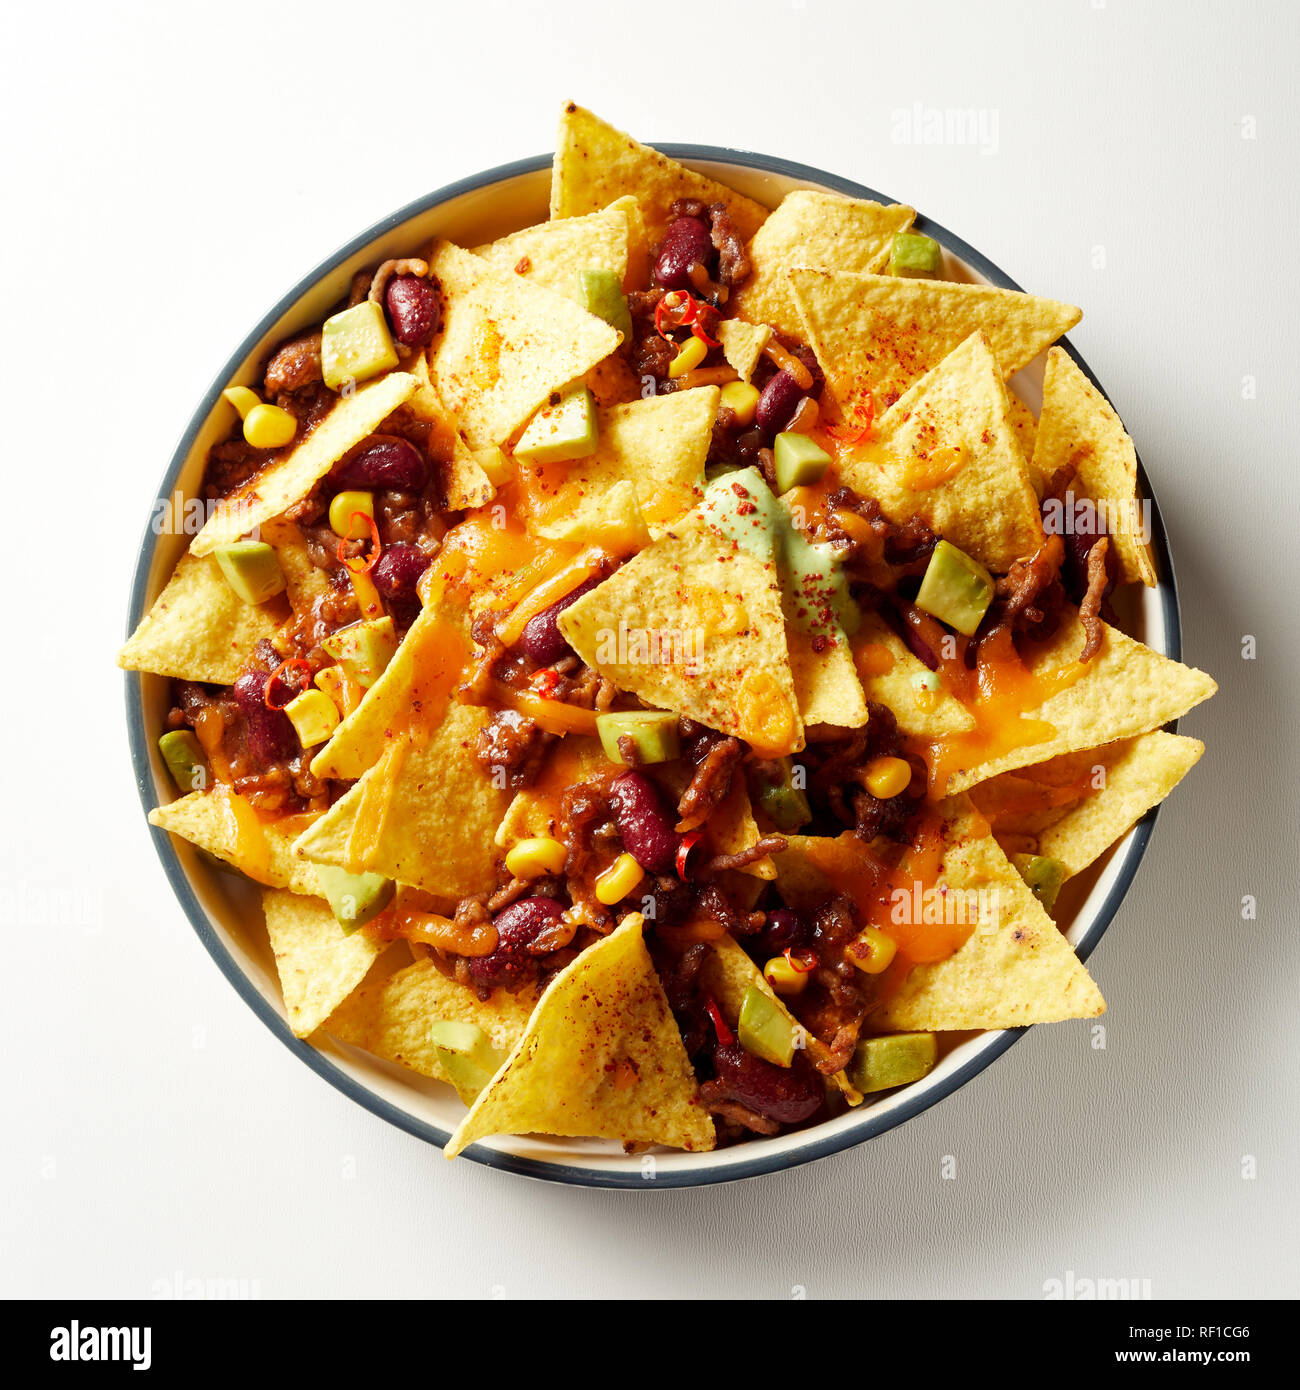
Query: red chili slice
[[281, 674], [725, 1036], [852, 433], [801, 965], [682, 862], [677, 309], [697, 328], [355, 563]]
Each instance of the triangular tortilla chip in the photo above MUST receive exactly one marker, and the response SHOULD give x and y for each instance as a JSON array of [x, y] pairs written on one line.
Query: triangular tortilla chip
[[535, 811], [222, 823], [595, 164], [319, 963], [825, 681], [1126, 689], [554, 254], [610, 518], [1015, 968], [1138, 774], [436, 814], [743, 344], [199, 629], [390, 1017], [601, 1057], [693, 624], [822, 231], [1026, 428], [728, 975], [289, 477], [1079, 428], [891, 675], [874, 335], [988, 506], [427, 662], [658, 445], [465, 484], [505, 345]]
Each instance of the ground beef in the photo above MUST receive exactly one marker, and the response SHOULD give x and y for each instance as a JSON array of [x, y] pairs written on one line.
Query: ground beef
[[513, 744], [294, 365], [835, 785], [905, 546], [1028, 598], [709, 786], [1099, 584], [733, 261]]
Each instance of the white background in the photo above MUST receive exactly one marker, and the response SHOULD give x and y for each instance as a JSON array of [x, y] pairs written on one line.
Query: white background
[[170, 170]]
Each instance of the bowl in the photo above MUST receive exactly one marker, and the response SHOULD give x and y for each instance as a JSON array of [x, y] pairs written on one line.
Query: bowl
[[224, 909]]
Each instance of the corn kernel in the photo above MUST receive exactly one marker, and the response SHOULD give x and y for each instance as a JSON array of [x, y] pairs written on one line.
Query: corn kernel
[[243, 398], [269, 427], [784, 977], [871, 950], [692, 352], [342, 521], [314, 717], [741, 399], [618, 880], [887, 777], [534, 857]]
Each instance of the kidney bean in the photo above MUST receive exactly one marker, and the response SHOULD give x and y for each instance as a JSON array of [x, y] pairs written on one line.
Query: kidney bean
[[518, 926], [778, 403], [542, 640], [783, 931], [414, 309], [786, 1094], [644, 822], [396, 573], [270, 733], [391, 463], [687, 242]]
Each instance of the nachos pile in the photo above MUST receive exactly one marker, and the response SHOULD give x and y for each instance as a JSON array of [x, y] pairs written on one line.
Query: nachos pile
[[660, 674]]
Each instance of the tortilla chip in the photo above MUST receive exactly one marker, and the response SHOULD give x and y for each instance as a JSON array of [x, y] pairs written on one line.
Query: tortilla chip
[[464, 483], [693, 624], [594, 164], [1015, 968], [554, 254], [601, 1057], [826, 683], [205, 820], [823, 231], [304, 582], [390, 1017], [1079, 428], [658, 445], [612, 382], [890, 675], [318, 962], [288, 478], [199, 629], [743, 344], [440, 811], [1026, 428], [506, 345], [728, 975], [874, 335], [1126, 689], [610, 518], [1139, 775], [426, 655], [988, 508]]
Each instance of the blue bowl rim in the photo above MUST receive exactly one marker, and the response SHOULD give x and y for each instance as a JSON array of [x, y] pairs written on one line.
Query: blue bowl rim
[[869, 1125]]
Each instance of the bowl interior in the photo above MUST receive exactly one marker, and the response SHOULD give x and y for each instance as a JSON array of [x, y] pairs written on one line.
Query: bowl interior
[[225, 908]]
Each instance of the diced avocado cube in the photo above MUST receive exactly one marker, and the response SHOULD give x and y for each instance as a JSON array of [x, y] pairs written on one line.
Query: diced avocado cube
[[354, 898], [956, 589], [564, 430], [252, 569], [879, 1064], [781, 801], [314, 717], [364, 648], [1043, 874], [800, 460], [764, 1029], [653, 733], [466, 1054], [603, 296], [919, 257], [356, 345], [183, 754]]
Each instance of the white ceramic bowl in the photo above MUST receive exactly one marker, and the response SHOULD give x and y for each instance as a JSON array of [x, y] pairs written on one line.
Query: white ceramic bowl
[[224, 910]]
